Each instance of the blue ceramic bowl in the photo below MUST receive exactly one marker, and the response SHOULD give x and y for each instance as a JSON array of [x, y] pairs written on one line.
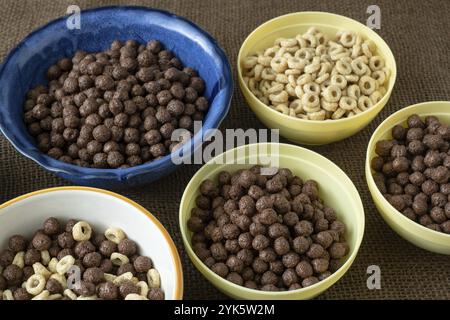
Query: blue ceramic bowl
[[26, 65]]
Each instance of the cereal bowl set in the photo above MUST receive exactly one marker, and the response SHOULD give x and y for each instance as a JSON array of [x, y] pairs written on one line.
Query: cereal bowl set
[[102, 210], [26, 65], [408, 229], [288, 27], [307, 165]]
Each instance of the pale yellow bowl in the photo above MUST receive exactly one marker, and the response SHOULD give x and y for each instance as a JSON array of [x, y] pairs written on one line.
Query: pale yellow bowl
[[309, 131], [409, 230], [336, 189]]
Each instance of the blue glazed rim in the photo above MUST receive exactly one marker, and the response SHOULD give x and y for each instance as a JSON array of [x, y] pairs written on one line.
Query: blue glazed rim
[[78, 172]]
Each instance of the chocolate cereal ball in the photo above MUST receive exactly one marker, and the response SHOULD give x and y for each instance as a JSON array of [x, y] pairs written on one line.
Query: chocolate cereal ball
[[17, 243]]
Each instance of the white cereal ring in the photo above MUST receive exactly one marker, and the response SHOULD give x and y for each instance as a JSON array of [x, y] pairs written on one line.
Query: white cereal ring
[[258, 71], [343, 67], [367, 85], [319, 115], [135, 296], [347, 39], [311, 87], [322, 78], [376, 63], [354, 91], [249, 62], [119, 259], [364, 103], [153, 278], [115, 235], [70, 294], [347, 103], [65, 264], [338, 114], [42, 296], [39, 268], [359, 67], [311, 40], [321, 50], [299, 91], [271, 52], [45, 257], [295, 72], [282, 78], [296, 105], [7, 295], [264, 60], [310, 102], [282, 108], [290, 90], [321, 39], [143, 288], [312, 68], [35, 284], [52, 265], [296, 63], [332, 93], [279, 64], [276, 87], [339, 80], [376, 96], [329, 106], [19, 259], [304, 54], [281, 97], [304, 78], [268, 74], [288, 42], [81, 231], [379, 76], [352, 78]]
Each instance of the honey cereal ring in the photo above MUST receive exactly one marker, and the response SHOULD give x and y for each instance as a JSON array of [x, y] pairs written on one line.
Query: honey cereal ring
[[332, 93], [119, 259], [379, 76], [364, 103], [7, 295], [35, 284], [249, 62], [376, 63], [135, 296], [258, 70], [115, 235], [354, 91], [343, 67], [279, 97], [367, 85], [282, 108], [143, 288], [19, 259], [290, 90], [81, 231], [359, 67], [70, 294], [45, 257], [319, 115], [52, 265], [376, 96], [124, 277], [322, 78], [347, 103], [310, 102], [296, 63], [264, 60], [311, 87], [338, 114], [39, 268], [329, 106], [347, 39], [268, 74], [282, 78], [352, 78], [279, 64], [310, 39], [153, 278], [339, 80], [65, 264]]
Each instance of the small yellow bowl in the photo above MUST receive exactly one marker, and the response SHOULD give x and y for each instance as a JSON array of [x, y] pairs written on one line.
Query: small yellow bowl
[[409, 230], [311, 132], [336, 189]]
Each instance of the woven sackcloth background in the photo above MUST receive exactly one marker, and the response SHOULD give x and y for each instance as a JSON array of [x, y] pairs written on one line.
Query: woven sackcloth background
[[417, 32]]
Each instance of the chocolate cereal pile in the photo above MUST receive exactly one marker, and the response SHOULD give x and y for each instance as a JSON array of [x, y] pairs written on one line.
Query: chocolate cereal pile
[[115, 109], [269, 233], [72, 262], [413, 170]]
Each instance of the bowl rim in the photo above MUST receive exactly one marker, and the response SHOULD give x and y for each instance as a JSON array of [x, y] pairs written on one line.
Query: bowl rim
[[86, 173], [203, 267], [179, 286], [428, 233], [300, 121]]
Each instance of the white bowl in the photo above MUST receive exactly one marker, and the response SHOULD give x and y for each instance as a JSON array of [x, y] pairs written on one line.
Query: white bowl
[[102, 209]]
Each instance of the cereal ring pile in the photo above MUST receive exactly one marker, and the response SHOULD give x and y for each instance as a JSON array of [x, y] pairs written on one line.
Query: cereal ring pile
[[72, 262], [115, 109], [412, 171], [312, 77], [269, 233]]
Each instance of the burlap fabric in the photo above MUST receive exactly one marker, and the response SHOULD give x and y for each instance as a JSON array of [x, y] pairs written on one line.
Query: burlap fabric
[[417, 32]]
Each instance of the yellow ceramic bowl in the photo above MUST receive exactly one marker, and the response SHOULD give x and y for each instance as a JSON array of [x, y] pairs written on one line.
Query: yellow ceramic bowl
[[309, 131], [336, 189], [409, 230]]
